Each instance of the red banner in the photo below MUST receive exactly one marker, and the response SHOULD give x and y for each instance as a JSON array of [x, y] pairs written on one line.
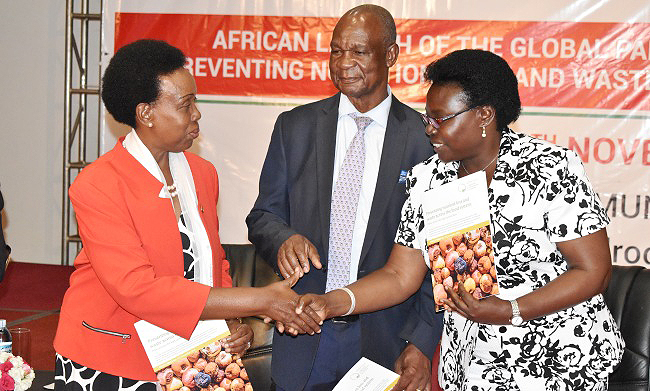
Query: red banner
[[558, 64]]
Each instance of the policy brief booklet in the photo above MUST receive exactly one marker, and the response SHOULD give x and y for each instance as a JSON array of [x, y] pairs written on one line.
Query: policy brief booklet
[[196, 363], [459, 239], [367, 375]]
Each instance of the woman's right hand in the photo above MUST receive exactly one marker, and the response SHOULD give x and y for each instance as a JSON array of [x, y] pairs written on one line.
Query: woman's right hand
[[281, 307], [314, 305]]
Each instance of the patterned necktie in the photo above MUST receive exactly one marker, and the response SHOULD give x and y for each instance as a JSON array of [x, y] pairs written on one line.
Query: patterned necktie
[[345, 199]]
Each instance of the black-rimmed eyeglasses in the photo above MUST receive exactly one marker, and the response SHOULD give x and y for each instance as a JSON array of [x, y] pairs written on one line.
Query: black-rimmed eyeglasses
[[437, 122]]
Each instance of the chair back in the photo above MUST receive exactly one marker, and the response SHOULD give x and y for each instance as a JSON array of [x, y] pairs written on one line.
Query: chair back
[[628, 299], [249, 269]]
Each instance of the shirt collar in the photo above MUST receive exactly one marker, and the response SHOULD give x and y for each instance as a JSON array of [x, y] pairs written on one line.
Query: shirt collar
[[141, 153], [379, 113]]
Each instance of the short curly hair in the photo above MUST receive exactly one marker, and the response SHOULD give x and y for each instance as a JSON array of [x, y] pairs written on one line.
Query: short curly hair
[[486, 79], [133, 76]]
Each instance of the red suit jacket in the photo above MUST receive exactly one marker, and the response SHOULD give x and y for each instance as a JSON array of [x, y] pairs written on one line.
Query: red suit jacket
[[131, 264]]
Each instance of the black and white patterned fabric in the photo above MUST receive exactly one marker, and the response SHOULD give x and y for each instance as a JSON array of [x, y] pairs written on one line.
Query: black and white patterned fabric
[[72, 376], [539, 195], [187, 237]]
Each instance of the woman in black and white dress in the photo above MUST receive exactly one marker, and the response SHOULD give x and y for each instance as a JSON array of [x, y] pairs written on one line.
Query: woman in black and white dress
[[548, 327]]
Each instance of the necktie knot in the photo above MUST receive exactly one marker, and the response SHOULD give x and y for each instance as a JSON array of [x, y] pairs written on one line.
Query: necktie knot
[[361, 121]]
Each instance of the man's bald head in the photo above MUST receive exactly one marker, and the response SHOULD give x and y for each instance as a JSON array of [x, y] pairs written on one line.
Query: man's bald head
[[383, 17]]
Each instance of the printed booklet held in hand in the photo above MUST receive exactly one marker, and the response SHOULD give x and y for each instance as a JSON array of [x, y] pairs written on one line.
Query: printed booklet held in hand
[[197, 363], [366, 375], [459, 239]]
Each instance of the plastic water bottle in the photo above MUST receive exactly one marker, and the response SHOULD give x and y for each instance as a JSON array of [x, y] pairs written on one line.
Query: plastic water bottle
[[5, 337]]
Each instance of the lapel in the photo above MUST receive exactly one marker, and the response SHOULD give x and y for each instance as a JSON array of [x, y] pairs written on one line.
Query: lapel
[[154, 213], [504, 173], [326, 120], [392, 154], [139, 180], [448, 173]]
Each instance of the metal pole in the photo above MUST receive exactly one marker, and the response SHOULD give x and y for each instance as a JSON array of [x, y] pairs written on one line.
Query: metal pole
[[66, 128], [83, 79], [76, 52], [99, 79]]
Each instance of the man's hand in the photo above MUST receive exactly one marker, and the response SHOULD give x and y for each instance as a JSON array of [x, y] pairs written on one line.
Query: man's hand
[[294, 256], [414, 369], [281, 303], [310, 306]]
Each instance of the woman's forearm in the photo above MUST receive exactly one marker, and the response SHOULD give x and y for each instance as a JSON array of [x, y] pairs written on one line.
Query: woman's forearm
[[273, 302], [570, 288], [588, 275], [227, 303], [392, 284]]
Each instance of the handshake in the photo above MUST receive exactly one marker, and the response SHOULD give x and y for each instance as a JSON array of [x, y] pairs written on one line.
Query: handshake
[[293, 313]]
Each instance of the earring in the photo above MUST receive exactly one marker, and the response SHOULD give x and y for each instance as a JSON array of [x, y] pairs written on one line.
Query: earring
[[483, 133], [150, 125]]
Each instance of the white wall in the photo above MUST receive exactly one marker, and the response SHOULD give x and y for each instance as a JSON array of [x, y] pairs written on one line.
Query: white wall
[[31, 108]]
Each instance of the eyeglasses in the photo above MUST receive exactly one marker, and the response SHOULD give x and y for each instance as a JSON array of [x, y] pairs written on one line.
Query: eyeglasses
[[437, 122]]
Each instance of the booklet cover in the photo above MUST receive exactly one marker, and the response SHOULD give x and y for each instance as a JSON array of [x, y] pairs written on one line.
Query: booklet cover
[[197, 363], [459, 239], [367, 375]]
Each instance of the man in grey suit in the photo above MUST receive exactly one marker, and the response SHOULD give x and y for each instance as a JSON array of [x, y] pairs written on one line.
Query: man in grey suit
[[290, 223]]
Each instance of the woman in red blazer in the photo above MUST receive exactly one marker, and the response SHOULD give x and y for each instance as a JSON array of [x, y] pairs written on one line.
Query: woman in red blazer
[[147, 217]]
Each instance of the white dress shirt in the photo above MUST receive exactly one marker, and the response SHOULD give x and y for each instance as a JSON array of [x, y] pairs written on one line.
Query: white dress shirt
[[346, 128]]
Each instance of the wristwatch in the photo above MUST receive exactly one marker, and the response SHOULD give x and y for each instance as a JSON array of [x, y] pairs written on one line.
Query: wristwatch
[[516, 319]]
